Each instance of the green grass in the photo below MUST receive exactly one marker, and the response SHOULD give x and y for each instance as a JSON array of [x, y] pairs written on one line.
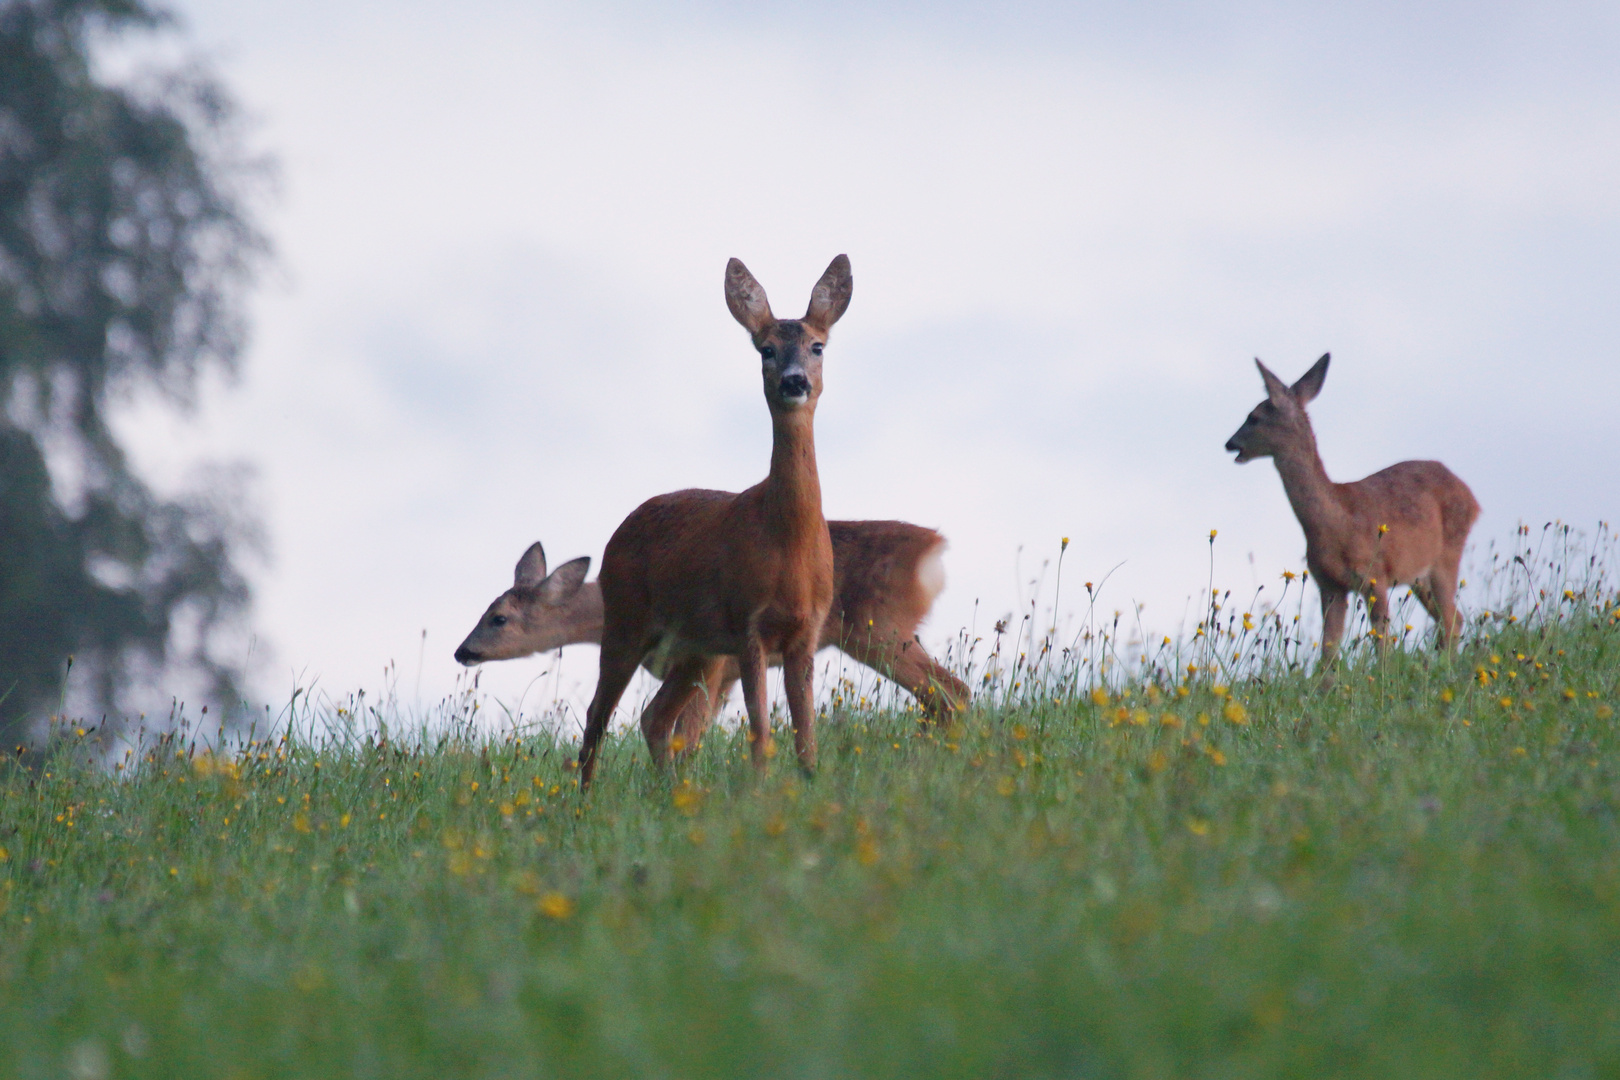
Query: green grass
[[1403, 876]]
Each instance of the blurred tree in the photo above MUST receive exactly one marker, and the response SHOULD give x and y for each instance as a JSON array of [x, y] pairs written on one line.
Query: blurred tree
[[125, 248]]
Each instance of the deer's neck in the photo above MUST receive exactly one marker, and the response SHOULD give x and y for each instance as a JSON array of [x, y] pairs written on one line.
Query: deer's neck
[[577, 622], [1312, 495], [793, 489]]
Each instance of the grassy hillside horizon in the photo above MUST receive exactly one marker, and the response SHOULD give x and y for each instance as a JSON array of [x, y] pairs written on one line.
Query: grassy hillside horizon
[[1166, 871]]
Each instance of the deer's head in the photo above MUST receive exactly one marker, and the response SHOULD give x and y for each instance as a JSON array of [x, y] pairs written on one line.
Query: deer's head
[[789, 349], [1279, 421], [534, 615]]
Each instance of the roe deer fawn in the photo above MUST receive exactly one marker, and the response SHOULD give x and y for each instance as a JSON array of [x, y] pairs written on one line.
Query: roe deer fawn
[[1404, 525], [696, 576], [886, 575]]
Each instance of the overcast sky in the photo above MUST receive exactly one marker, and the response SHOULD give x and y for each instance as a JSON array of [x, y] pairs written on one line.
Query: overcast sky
[[496, 314]]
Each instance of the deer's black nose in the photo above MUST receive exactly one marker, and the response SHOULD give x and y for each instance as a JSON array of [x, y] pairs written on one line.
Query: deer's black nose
[[1232, 446], [795, 386], [466, 656]]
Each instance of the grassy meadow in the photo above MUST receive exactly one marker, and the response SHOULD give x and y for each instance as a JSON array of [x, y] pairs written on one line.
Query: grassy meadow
[[1164, 872]]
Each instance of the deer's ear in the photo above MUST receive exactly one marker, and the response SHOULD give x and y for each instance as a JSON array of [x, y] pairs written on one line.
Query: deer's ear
[[565, 580], [1276, 389], [746, 298], [830, 298], [1310, 383], [531, 569]]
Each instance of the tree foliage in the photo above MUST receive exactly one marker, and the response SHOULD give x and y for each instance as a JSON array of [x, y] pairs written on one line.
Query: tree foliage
[[125, 248]]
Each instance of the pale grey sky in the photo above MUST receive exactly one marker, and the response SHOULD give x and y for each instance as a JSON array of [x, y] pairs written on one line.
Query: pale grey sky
[[497, 315]]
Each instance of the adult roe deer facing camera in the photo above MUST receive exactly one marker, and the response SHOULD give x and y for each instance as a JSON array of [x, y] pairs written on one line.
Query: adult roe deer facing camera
[[886, 575], [1404, 525], [697, 576]]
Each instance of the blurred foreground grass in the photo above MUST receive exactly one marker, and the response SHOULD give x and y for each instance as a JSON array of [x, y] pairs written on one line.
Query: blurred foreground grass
[[1414, 874]]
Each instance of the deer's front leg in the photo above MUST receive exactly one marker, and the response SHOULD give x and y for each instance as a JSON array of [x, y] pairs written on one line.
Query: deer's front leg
[[752, 662], [798, 673]]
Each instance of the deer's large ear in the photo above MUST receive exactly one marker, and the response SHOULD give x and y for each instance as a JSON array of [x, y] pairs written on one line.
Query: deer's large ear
[[531, 569], [565, 580], [830, 298], [746, 298], [1276, 389], [1310, 383]]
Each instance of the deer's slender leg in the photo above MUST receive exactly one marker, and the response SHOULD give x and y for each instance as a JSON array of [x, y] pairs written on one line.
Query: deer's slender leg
[[1377, 596], [683, 683], [720, 675], [904, 660], [618, 665], [1334, 604], [1444, 585], [752, 663], [798, 671]]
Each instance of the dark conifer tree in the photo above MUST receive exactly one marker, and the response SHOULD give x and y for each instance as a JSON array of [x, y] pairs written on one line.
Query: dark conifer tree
[[125, 249]]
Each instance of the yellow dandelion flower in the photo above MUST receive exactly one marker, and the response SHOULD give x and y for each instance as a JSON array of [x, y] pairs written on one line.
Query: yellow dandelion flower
[[1447, 695], [1099, 696], [1235, 713], [554, 905], [1198, 827]]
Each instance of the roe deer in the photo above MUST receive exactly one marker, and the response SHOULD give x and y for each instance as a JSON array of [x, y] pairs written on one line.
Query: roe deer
[[886, 575], [1404, 525], [696, 576]]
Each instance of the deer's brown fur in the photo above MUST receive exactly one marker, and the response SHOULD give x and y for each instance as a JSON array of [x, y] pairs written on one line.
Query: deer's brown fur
[[886, 575], [1404, 525], [696, 576]]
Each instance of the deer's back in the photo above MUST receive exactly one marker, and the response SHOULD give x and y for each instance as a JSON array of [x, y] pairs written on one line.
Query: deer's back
[[1416, 492]]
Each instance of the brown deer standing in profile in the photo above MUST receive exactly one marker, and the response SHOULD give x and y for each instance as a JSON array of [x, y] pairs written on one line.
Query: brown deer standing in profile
[[695, 576], [1404, 525], [886, 575]]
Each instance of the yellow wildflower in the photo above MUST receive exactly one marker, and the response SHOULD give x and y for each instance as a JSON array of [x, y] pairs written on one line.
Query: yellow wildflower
[[554, 905]]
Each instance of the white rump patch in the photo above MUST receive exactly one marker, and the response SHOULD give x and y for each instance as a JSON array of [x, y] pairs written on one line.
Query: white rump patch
[[931, 573]]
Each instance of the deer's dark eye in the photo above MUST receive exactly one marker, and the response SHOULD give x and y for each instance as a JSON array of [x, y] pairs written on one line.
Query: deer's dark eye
[[497, 620], [767, 352], [816, 348]]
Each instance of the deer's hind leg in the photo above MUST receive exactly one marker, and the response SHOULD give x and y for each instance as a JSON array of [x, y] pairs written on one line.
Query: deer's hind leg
[[1335, 603], [1443, 583], [1437, 603], [905, 661], [1377, 597], [683, 688], [720, 675]]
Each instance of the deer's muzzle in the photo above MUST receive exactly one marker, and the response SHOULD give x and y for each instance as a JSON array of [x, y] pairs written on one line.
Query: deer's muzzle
[[794, 388]]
